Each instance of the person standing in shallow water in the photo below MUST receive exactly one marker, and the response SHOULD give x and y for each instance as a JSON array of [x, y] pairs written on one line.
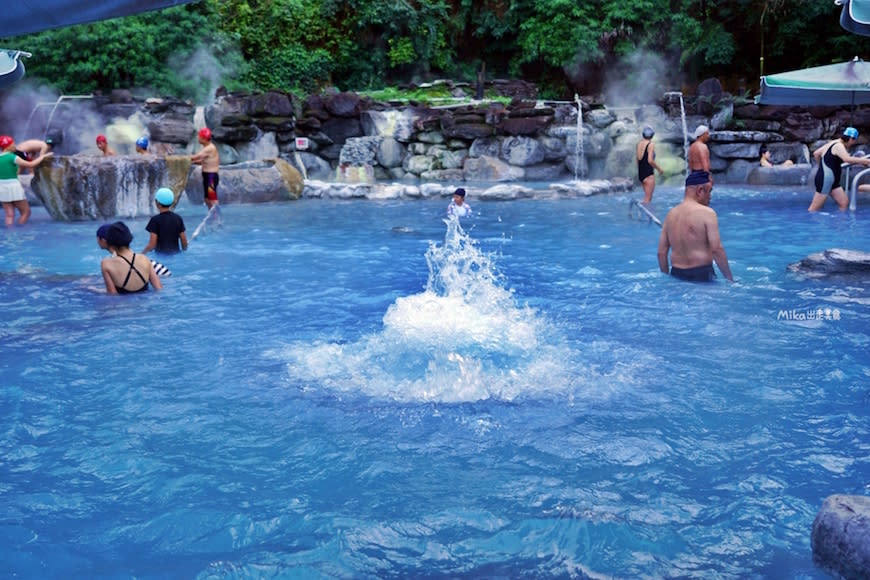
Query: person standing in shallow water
[[12, 194], [699, 153], [690, 233], [645, 154], [167, 227], [457, 206], [831, 157], [209, 158]]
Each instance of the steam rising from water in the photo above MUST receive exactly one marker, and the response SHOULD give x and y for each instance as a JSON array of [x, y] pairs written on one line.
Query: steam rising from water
[[204, 71], [638, 78]]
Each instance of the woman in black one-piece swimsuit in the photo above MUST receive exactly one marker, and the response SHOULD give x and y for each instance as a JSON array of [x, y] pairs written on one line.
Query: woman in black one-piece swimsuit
[[646, 164], [123, 273]]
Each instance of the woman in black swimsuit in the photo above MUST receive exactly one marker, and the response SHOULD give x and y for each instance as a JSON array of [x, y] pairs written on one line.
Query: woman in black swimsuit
[[646, 163], [126, 272]]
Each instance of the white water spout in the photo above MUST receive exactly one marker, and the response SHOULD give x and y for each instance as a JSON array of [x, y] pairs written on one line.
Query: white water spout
[[579, 152], [685, 132], [685, 128], [59, 99]]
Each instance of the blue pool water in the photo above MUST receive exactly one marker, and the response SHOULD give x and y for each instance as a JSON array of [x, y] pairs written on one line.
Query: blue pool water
[[351, 389]]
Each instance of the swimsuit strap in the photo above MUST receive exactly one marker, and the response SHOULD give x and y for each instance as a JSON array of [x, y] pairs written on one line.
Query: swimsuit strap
[[131, 270]]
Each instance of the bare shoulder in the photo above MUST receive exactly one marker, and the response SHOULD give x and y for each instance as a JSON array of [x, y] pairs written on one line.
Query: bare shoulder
[[710, 216]]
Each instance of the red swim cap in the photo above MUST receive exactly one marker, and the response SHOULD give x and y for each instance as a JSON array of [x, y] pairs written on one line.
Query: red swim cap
[[205, 133], [101, 138], [6, 141]]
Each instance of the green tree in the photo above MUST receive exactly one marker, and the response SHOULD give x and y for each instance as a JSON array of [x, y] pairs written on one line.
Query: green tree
[[564, 46], [147, 51]]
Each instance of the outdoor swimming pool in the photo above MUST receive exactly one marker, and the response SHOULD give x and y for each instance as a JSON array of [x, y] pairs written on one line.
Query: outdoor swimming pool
[[348, 389]]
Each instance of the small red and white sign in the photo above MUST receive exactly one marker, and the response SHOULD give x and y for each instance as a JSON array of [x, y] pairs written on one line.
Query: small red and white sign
[[301, 143]]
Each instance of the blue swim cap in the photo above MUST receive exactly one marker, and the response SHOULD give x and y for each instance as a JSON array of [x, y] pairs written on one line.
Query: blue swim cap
[[851, 133], [164, 196], [142, 142], [102, 231]]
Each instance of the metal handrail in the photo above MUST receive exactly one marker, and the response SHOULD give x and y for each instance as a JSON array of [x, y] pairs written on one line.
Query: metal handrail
[[853, 189], [643, 211]]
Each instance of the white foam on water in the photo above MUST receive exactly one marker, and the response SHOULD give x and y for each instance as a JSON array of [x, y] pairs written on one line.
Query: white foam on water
[[464, 338]]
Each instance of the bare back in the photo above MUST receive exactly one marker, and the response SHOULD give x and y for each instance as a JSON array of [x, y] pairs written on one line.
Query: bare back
[[699, 156], [642, 146], [691, 230], [117, 270], [33, 147]]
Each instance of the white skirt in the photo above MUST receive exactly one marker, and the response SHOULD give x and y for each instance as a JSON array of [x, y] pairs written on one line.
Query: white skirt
[[11, 190]]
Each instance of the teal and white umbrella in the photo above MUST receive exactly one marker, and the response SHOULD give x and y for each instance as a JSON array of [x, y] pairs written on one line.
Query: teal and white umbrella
[[11, 67], [855, 16], [841, 84], [25, 17]]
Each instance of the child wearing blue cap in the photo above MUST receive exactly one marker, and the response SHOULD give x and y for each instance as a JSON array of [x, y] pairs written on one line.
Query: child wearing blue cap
[[831, 157], [166, 228]]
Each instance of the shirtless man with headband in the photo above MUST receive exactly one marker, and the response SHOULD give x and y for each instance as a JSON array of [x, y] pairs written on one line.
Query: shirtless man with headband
[[690, 233]]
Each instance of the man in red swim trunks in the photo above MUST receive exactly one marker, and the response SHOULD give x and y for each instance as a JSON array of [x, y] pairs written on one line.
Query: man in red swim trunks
[[210, 160]]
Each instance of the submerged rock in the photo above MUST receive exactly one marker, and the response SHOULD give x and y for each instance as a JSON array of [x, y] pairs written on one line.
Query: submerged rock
[[841, 536], [835, 261]]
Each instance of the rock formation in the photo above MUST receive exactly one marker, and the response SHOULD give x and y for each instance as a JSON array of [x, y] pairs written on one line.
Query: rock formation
[[833, 262], [841, 536]]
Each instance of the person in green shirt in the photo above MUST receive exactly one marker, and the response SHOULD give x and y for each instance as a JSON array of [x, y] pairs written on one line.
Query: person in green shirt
[[12, 194]]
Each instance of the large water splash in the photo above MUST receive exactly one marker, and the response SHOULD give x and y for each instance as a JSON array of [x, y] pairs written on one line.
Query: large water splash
[[464, 338]]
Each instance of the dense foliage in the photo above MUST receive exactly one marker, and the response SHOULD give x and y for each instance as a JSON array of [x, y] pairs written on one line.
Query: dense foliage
[[565, 46]]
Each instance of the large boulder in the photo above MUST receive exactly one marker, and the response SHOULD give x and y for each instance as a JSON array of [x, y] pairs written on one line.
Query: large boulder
[[779, 175], [487, 168], [315, 167], [83, 187], [171, 128], [802, 127], [390, 153], [340, 130], [841, 536], [270, 104], [360, 150], [522, 151], [344, 105], [835, 261], [524, 125], [249, 182]]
